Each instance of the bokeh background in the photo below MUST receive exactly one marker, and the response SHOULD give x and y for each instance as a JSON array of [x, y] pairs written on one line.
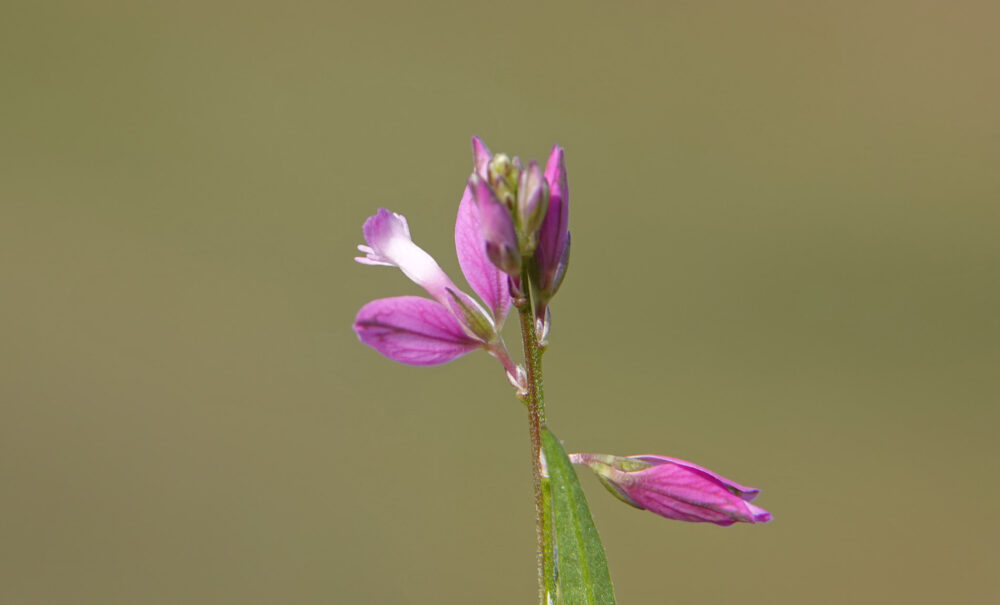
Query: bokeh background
[[785, 267]]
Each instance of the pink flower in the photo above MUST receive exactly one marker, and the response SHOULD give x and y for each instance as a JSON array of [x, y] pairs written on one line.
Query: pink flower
[[421, 331], [675, 489], [510, 218]]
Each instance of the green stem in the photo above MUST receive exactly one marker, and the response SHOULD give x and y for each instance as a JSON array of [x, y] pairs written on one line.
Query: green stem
[[535, 401]]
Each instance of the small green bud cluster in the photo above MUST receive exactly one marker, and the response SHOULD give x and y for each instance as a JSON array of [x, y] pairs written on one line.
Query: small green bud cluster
[[525, 194]]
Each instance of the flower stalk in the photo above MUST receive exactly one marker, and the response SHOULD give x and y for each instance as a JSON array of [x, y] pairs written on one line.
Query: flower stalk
[[534, 399]]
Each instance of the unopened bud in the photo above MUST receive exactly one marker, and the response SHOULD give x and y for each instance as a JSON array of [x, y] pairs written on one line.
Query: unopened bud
[[498, 228], [475, 321], [675, 489], [499, 171], [552, 252], [504, 257], [532, 202], [480, 157]]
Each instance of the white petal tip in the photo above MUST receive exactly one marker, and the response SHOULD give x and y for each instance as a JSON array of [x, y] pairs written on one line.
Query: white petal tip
[[364, 260]]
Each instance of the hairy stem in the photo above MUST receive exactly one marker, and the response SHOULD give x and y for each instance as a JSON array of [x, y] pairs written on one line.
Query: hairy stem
[[535, 401]]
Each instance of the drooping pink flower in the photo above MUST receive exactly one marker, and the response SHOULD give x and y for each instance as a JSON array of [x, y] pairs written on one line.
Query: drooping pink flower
[[420, 331], [675, 489]]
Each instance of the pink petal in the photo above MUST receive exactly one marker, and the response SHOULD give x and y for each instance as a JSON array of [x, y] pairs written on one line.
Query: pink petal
[[744, 492], [686, 493], [759, 514], [412, 330], [489, 282], [497, 224], [678, 510]]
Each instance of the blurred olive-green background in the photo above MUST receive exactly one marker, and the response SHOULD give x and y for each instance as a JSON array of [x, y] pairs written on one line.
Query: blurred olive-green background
[[785, 267]]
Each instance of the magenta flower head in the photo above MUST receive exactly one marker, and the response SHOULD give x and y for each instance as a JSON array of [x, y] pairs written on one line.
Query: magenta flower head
[[675, 489], [421, 331]]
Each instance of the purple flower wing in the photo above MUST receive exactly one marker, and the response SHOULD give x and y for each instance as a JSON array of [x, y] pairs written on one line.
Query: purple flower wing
[[412, 330], [489, 282]]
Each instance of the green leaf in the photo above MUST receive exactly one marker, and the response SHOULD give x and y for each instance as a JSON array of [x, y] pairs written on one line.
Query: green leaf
[[581, 566]]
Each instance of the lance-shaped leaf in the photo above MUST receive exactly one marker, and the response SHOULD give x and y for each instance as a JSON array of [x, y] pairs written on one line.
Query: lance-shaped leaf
[[581, 566]]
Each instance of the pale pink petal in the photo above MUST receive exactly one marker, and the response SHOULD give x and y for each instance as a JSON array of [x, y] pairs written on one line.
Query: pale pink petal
[[412, 330], [383, 228], [371, 258], [489, 282], [389, 243]]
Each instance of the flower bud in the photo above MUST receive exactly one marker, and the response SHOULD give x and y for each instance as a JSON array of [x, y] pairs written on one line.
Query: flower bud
[[498, 228], [472, 317], [532, 202], [500, 170], [481, 156], [552, 253], [675, 489]]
